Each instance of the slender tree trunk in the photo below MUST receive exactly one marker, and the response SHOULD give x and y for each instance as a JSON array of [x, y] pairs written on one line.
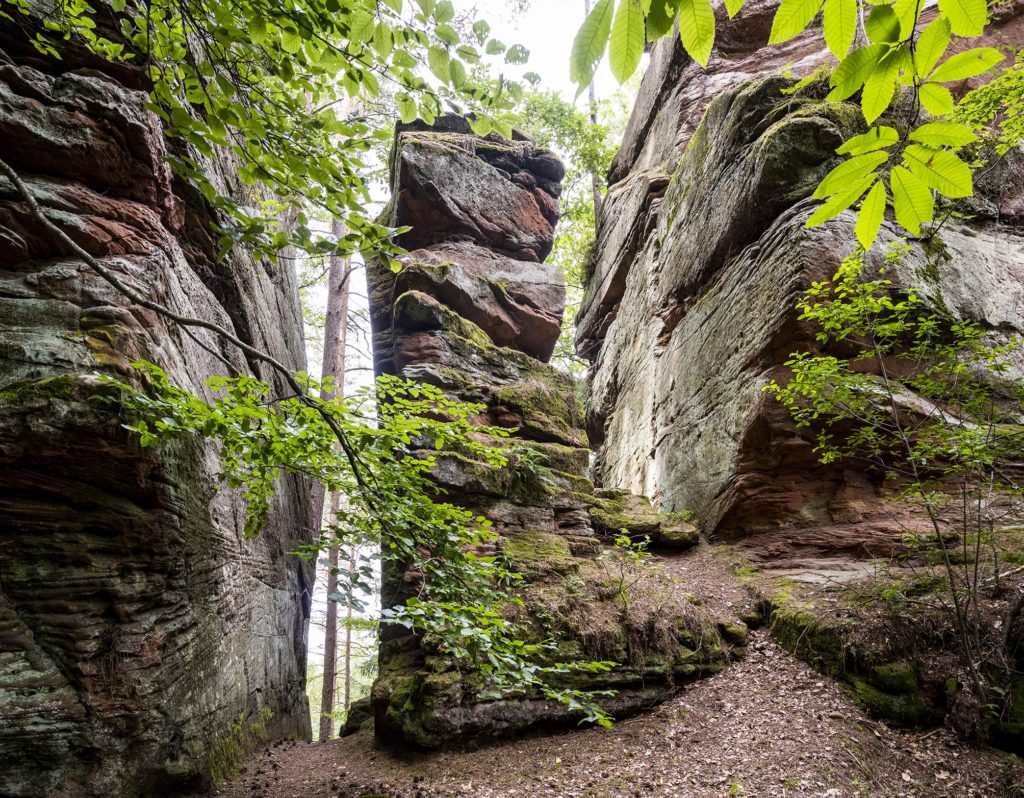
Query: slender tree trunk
[[595, 179], [348, 632], [335, 329]]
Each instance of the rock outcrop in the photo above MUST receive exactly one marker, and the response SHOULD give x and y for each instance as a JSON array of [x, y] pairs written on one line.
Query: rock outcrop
[[142, 640], [475, 311], [690, 310], [701, 255]]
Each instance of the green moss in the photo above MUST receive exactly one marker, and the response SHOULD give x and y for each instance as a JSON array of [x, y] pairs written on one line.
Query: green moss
[[678, 536], [360, 713], [733, 633], [904, 709], [64, 387], [547, 412], [895, 677], [535, 553], [227, 755], [614, 510]]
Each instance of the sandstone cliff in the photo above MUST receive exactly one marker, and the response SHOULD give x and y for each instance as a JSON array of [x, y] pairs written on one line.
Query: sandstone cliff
[[690, 310], [701, 255], [141, 639], [475, 311]]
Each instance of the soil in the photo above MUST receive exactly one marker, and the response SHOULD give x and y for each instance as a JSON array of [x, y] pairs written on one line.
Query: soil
[[768, 725]]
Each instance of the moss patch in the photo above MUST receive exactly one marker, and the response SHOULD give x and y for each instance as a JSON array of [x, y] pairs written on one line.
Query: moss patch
[[226, 755], [536, 553]]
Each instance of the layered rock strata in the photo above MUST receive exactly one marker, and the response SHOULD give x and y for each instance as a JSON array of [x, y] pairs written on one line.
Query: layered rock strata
[[690, 310], [476, 311], [142, 640], [701, 255]]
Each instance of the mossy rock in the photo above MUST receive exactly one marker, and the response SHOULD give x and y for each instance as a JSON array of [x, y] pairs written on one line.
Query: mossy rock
[[614, 510], [895, 677], [64, 387], [360, 713], [735, 634], [547, 412], [903, 709], [680, 535], [535, 553]]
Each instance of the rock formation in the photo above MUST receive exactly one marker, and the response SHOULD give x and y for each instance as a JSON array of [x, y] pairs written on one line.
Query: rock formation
[[690, 310], [475, 311], [701, 254], [142, 640]]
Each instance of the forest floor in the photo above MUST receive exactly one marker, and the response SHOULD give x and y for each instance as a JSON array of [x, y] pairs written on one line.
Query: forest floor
[[768, 725]]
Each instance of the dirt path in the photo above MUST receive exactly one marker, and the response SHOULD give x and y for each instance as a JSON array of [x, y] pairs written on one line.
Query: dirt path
[[767, 726]]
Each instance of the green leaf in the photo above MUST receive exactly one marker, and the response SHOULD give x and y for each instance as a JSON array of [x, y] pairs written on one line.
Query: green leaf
[[940, 169], [480, 125], [444, 11], [660, 19], [840, 22], [882, 25], [850, 169], [732, 7], [406, 107], [791, 18], [480, 29], [931, 45], [875, 139], [841, 201], [589, 44], [853, 70], [907, 12], [697, 29], [627, 40], [361, 26], [966, 17], [911, 200], [447, 34], [439, 62], [936, 99], [291, 42], [880, 86], [966, 64], [517, 54], [944, 134], [872, 212]]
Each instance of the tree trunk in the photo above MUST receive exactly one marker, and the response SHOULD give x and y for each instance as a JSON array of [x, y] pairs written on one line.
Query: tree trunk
[[595, 180], [353, 556], [335, 329]]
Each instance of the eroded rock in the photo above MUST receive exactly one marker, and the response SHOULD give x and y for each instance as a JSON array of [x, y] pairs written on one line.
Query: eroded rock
[[138, 629], [474, 312]]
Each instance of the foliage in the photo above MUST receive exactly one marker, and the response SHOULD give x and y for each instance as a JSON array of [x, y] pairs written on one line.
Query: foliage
[[398, 428], [934, 404], [586, 147], [624, 563], [262, 81], [901, 163]]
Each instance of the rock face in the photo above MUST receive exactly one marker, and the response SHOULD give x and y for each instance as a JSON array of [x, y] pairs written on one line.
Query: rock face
[[142, 641], [690, 310], [476, 312], [690, 305]]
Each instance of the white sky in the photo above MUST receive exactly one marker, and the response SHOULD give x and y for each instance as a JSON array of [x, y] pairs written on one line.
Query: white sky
[[547, 29]]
